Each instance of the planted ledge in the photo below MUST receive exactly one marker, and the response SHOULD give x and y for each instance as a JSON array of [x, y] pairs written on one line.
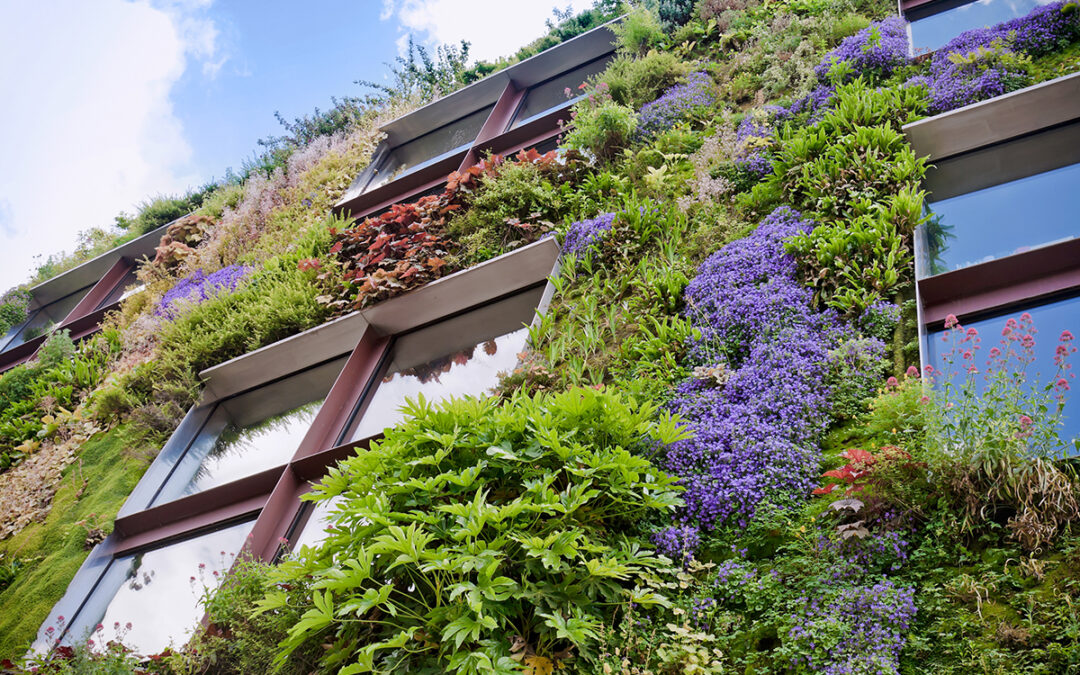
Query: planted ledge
[[1015, 114], [490, 280]]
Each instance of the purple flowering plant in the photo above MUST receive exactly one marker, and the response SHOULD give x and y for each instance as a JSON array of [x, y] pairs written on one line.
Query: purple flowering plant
[[754, 437], [198, 287], [586, 234], [678, 104], [873, 54]]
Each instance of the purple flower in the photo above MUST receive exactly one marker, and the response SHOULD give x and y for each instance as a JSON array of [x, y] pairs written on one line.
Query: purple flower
[[197, 287], [874, 53], [585, 234], [755, 439], [676, 104]]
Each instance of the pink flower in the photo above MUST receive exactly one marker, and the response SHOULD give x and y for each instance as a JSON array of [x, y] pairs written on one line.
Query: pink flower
[[202, 566], [98, 627], [929, 370], [994, 352], [924, 399], [912, 371], [1062, 384], [1027, 342], [1025, 421], [192, 579], [1011, 323], [127, 625], [892, 382], [283, 541], [1066, 336], [951, 321], [1025, 317], [967, 354]]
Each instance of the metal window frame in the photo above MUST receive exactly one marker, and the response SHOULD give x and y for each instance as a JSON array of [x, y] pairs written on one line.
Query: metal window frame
[[272, 496], [1009, 282]]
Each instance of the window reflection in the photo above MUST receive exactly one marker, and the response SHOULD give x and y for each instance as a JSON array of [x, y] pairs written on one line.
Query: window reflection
[[1050, 320], [433, 146], [932, 32], [1003, 219], [160, 589], [252, 432], [551, 95], [456, 357], [42, 320], [127, 287], [315, 529]]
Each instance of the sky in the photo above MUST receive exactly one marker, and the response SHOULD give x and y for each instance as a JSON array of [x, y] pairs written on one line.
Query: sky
[[112, 102]]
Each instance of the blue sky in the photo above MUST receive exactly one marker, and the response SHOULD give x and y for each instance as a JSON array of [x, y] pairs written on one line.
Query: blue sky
[[110, 102]]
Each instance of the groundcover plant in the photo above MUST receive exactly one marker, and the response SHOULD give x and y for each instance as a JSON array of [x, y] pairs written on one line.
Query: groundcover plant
[[719, 452]]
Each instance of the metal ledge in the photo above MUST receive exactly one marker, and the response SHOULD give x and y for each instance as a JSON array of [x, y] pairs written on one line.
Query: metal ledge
[[999, 119], [456, 292]]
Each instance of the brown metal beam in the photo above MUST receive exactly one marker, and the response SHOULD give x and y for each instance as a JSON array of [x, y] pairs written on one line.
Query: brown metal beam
[[999, 284]]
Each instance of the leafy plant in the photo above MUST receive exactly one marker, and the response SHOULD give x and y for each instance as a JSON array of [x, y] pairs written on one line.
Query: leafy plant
[[478, 534]]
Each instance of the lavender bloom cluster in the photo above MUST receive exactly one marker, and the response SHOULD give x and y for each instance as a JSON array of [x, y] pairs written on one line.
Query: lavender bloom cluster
[[859, 631], [198, 287], [874, 52], [753, 137], [754, 438], [677, 542], [983, 63], [585, 234], [676, 104]]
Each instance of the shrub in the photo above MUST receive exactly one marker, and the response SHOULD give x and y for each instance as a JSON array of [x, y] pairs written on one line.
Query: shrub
[[639, 31], [13, 306], [674, 13], [602, 127], [489, 531], [634, 82]]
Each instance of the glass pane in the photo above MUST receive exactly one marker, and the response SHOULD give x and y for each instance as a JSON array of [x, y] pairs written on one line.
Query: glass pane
[[160, 590], [314, 532], [252, 432], [548, 96], [430, 148], [48, 316], [932, 32], [1003, 219], [127, 287], [1050, 320], [457, 357]]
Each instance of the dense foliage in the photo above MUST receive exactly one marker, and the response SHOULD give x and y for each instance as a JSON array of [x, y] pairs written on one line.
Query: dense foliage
[[736, 203]]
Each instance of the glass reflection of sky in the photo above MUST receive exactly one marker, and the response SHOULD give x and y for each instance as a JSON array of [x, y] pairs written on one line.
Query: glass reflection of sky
[[314, 532], [932, 32], [159, 598], [1008, 218], [244, 451], [473, 377], [1050, 320]]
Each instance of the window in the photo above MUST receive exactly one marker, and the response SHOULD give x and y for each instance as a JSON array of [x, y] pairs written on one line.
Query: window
[[551, 95], [931, 28], [40, 321], [456, 357], [1003, 219], [1050, 319], [127, 287], [157, 591], [251, 432], [232, 475], [433, 146], [1001, 200]]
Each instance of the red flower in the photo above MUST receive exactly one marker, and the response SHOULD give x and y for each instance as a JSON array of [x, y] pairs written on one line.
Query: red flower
[[912, 371], [1066, 336], [951, 321]]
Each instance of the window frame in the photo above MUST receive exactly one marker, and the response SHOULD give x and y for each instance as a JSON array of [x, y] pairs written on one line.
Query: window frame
[[272, 496]]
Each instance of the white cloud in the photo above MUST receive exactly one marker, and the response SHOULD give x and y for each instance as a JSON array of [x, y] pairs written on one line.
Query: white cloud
[[493, 28], [87, 129]]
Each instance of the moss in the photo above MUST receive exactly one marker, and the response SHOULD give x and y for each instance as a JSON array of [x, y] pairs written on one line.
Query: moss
[[52, 551]]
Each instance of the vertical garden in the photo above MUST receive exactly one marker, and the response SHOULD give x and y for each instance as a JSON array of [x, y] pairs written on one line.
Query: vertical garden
[[720, 451]]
